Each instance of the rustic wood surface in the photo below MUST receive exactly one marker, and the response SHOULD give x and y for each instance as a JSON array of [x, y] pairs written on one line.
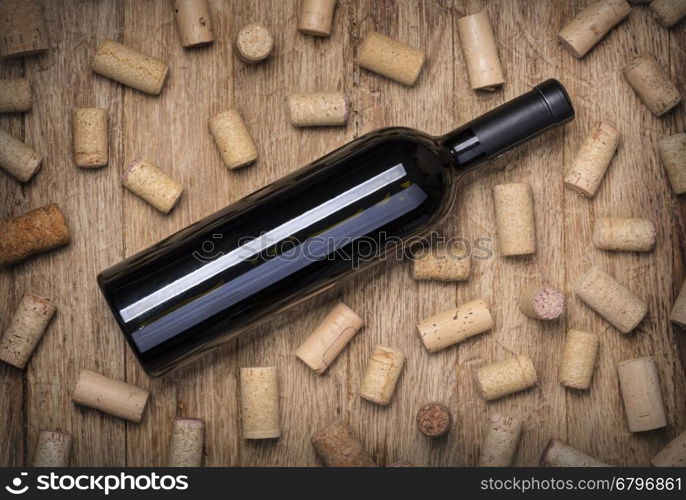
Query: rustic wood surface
[[109, 224]]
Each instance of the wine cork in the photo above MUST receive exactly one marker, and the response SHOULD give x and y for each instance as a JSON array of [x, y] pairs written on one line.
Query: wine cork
[[233, 139], [678, 314], [500, 441], [455, 325], [319, 109], [18, 158], [592, 159], [559, 454], [514, 219], [15, 95], [254, 43], [330, 337], [581, 34], [53, 449], [542, 302], [612, 300], [130, 67], [578, 359], [668, 12], [26, 328], [90, 137], [187, 442], [260, 403], [640, 388], [32, 233], [652, 84], [23, 28], [316, 17], [480, 51], [506, 377], [390, 58], [624, 234], [381, 375], [672, 455], [152, 185], [336, 446], [442, 263], [194, 22], [433, 420], [110, 396], [672, 151]]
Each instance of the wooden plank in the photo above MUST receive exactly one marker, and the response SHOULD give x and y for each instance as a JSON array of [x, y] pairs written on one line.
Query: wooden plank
[[261, 92], [79, 336], [635, 186], [12, 416], [524, 31], [393, 301]]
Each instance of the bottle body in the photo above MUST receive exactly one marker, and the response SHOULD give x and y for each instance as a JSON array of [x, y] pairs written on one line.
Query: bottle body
[[307, 231], [278, 246]]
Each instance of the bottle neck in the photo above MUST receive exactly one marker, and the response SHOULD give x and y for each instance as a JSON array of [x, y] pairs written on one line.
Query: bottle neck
[[517, 121]]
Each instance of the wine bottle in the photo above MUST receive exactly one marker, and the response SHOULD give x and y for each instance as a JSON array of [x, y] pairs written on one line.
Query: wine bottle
[[305, 232]]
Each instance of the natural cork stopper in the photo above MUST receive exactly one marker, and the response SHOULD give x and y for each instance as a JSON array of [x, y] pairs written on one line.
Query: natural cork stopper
[[23, 28], [32, 233], [433, 420], [542, 302], [91, 147], [501, 439], [579, 357], [672, 152], [336, 446], [25, 330], [316, 17], [254, 43], [678, 314], [506, 377], [390, 58], [652, 84], [152, 185], [591, 25], [187, 443], [442, 263], [330, 337], [194, 22], [455, 325], [18, 158], [233, 139], [624, 234], [640, 388], [480, 51], [514, 219], [592, 160], [319, 109], [15, 95], [381, 375], [668, 12], [559, 454], [53, 449], [672, 455], [612, 300], [110, 396], [130, 67], [260, 403]]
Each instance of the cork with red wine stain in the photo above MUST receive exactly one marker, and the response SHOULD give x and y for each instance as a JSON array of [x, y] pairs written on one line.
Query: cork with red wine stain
[[542, 302]]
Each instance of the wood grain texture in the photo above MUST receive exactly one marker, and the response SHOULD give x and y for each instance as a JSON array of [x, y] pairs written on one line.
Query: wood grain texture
[[171, 131]]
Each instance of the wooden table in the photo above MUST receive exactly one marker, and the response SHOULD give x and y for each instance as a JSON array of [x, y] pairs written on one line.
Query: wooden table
[[109, 224]]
